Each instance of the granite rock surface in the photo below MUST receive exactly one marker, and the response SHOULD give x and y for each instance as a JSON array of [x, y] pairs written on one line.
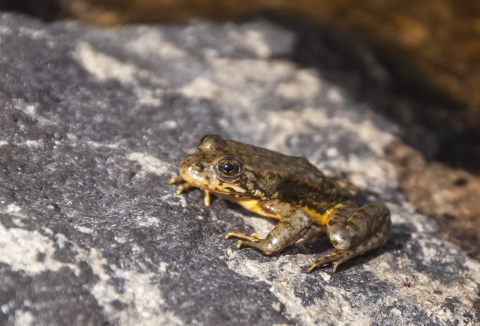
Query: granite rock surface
[[93, 122], [434, 44]]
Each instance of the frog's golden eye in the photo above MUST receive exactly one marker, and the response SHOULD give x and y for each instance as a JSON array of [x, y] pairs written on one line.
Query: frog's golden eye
[[229, 167]]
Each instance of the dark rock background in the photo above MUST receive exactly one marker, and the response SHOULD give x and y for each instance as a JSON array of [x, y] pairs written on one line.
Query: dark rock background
[[94, 121]]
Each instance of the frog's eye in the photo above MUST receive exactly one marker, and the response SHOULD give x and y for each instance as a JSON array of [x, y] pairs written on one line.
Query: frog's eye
[[229, 167]]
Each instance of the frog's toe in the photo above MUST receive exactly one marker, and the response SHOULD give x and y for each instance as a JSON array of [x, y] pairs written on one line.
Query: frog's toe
[[256, 236], [241, 236], [336, 257], [183, 187], [175, 180], [207, 199], [327, 257]]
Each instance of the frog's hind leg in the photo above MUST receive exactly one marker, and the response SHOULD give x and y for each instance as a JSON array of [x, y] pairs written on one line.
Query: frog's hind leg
[[353, 234], [339, 256]]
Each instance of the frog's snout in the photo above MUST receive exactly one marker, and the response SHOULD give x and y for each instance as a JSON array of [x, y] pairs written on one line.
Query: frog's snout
[[190, 163], [192, 170]]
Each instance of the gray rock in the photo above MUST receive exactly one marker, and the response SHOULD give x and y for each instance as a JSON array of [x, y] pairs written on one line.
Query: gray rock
[[95, 121]]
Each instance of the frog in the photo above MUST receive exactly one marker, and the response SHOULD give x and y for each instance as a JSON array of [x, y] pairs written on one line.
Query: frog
[[289, 189]]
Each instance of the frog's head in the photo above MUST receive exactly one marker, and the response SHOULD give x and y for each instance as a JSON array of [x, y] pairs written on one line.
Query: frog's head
[[217, 166]]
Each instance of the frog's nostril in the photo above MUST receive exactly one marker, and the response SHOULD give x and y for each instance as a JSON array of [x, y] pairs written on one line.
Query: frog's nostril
[[199, 166]]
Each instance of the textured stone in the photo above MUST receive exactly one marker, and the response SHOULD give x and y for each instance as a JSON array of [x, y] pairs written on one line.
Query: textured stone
[[434, 44], [94, 122]]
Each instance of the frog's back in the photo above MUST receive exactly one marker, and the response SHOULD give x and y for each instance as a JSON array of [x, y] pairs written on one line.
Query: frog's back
[[296, 179], [270, 164]]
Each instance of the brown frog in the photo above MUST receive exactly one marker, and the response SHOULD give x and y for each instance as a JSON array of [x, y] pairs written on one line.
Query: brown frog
[[287, 188]]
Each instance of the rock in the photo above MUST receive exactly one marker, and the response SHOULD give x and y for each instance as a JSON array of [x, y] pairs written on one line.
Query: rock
[[434, 44], [449, 195], [95, 121]]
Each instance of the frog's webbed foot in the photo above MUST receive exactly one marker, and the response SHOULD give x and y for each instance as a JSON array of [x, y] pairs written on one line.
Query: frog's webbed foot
[[366, 229], [294, 224], [183, 186]]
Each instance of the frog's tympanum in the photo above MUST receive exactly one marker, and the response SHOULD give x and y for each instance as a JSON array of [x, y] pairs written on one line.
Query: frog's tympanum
[[289, 189]]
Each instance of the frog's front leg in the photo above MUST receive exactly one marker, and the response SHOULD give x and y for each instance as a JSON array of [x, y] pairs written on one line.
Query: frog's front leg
[[294, 223], [207, 199], [354, 231], [182, 184]]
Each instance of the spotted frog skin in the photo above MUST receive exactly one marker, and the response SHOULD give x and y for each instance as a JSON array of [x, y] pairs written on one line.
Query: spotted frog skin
[[287, 188]]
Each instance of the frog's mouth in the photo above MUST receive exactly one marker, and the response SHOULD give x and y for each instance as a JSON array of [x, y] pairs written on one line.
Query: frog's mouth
[[224, 191], [229, 196]]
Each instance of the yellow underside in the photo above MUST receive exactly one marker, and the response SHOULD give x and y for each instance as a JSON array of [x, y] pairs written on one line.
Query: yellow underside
[[252, 205], [319, 219]]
